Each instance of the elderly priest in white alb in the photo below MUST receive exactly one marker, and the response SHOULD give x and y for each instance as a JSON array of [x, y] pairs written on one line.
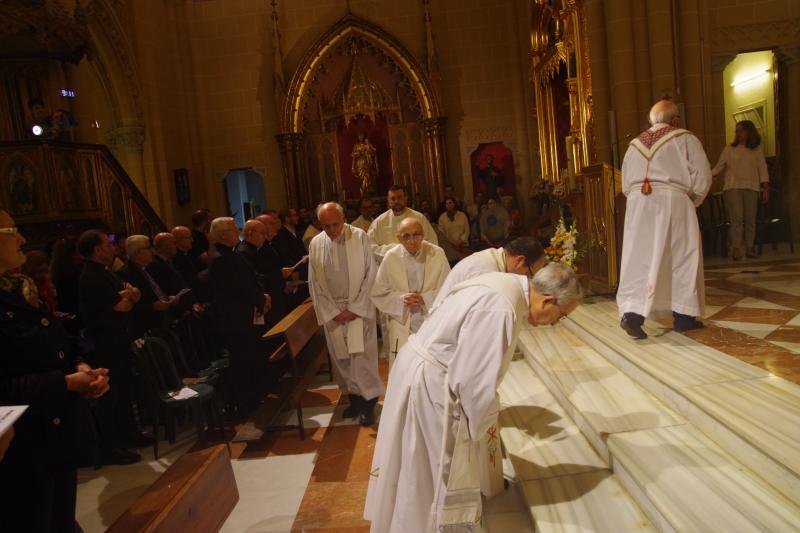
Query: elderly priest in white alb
[[383, 230], [665, 175], [442, 396], [407, 283], [340, 277]]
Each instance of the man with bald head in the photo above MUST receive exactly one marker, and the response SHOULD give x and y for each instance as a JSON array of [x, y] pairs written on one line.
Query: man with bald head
[[191, 269], [665, 176], [340, 277], [255, 235], [162, 269], [408, 281], [383, 230]]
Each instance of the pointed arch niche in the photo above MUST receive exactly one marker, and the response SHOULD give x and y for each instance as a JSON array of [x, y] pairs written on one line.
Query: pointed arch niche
[[358, 80]]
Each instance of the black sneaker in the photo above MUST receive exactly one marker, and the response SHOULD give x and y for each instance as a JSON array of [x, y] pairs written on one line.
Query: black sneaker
[[367, 416], [633, 329], [352, 410], [687, 325]]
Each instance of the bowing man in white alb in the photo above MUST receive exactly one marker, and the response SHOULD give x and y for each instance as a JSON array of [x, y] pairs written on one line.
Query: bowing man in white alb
[[442, 396], [340, 277], [383, 230], [665, 175], [523, 256], [408, 280]]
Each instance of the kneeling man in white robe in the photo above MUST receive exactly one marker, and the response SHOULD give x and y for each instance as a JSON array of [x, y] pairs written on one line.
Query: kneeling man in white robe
[[407, 283], [523, 256], [665, 175], [340, 277], [442, 396]]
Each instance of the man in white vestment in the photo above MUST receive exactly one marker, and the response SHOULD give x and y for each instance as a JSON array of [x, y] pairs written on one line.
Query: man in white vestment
[[365, 214], [523, 255], [383, 230], [665, 176], [340, 277], [442, 396], [408, 280]]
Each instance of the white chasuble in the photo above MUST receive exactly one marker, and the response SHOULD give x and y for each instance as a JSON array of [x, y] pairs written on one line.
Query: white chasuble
[[401, 273], [340, 278], [383, 230], [441, 399], [662, 258]]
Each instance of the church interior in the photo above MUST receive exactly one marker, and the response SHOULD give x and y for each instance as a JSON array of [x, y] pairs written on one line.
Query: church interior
[[137, 117]]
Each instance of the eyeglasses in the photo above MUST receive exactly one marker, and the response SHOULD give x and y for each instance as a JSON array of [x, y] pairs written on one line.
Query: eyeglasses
[[9, 231], [411, 237]]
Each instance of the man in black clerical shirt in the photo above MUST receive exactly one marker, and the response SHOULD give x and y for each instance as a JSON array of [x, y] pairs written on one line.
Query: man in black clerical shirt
[[268, 271], [190, 268], [162, 268], [201, 219], [238, 304], [105, 306], [290, 250]]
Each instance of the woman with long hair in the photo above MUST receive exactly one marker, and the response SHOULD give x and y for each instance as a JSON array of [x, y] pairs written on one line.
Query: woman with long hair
[[746, 176]]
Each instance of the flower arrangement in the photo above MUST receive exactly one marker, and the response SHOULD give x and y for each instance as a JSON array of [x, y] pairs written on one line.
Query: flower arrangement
[[564, 245]]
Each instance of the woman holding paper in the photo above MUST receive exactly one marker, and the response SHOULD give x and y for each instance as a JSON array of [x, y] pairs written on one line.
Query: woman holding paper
[[38, 370]]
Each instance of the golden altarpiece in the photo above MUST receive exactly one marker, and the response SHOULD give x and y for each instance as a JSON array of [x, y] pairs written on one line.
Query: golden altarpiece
[[357, 85], [561, 74]]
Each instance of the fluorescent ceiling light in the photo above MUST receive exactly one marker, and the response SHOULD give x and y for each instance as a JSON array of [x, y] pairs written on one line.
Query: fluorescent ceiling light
[[750, 78]]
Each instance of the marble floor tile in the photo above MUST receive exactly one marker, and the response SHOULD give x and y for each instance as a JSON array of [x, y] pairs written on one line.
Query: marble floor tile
[[264, 503], [697, 487], [672, 358], [515, 522], [345, 454], [537, 434], [606, 398], [793, 347], [737, 313], [580, 503], [785, 333], [765, 412], [786, 286], [712, 309], [332, 505], [757, 330], [795, 321], [755, 303], [321, 396]]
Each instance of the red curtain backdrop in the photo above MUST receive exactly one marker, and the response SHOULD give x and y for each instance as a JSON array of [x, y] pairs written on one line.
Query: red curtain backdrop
[[378, 135], [503, 160]]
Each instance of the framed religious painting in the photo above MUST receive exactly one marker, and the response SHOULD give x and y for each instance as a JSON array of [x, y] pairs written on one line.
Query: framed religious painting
[[183, 193]]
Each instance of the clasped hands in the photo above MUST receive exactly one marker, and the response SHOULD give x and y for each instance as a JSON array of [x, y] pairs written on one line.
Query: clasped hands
[[88, 382], [131, 293], [413, 300], [345, 316]]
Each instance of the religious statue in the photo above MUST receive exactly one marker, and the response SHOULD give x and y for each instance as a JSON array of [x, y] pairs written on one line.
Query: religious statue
[[491, 177], [365, 164]]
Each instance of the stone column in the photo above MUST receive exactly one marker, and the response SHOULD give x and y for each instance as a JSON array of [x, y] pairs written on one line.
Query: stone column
[[294, 164], [436, 162], [601, 87], [127, 145], [622, 82]]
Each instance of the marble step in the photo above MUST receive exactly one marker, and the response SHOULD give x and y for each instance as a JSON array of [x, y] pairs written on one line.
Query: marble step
[[684, 482], [751, 414], [600, 398], [566, 485]]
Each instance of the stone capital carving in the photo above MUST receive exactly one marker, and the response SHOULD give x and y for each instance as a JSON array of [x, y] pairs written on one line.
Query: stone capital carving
[[126, 138], [435, 126]]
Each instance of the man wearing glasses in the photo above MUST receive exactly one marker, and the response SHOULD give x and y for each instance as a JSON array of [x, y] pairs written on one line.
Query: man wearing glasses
[[383, 230], [239, 307], [407, 282]]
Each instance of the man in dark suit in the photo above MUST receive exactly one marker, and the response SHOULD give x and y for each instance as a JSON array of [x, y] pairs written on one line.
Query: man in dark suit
[[268, 272], [290, 250], [191, 269], [162, 269], [239, 304], [201, 219], [105, 307], [40, 368], [154, 309]]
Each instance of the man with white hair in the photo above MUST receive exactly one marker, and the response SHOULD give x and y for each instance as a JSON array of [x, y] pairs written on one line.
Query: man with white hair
[[239, 305], [340, 277], [442, 397], [665, 176], [152, 310], [383, 230], [407, 283]]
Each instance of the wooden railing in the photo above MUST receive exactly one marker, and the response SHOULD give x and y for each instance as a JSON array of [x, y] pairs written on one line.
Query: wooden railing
[[53, 189]]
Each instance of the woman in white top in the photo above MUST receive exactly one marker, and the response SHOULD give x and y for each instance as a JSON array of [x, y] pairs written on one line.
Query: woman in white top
[[745, 175], [454, 223]]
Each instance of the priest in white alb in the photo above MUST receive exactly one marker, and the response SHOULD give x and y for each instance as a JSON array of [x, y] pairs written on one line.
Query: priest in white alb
[[383, 230], [665, 176], [340, 277], [523, 256], [407, 283], [442, 396]]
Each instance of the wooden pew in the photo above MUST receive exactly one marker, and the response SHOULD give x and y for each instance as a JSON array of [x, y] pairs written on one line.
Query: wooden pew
[[303, 342], [196, 493]]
